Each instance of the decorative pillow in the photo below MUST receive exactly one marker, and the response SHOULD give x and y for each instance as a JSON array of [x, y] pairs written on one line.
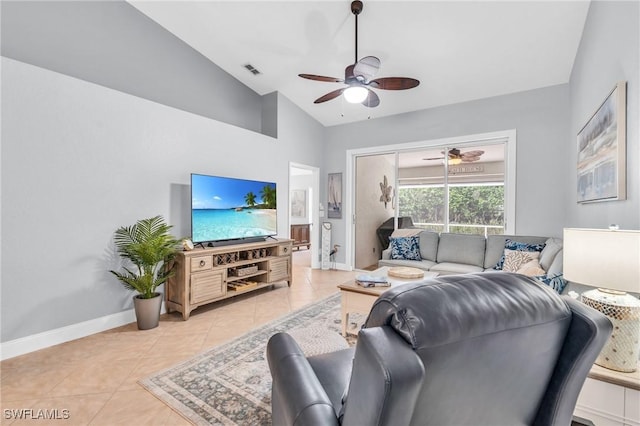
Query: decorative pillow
[[555, 281], [556, 265], [515, 259], [551, 248], [514, 245], [531, 269], [405, 248], [406, 232]]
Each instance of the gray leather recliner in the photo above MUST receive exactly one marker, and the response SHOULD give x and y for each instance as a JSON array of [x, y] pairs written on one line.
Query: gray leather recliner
[[476, 349]]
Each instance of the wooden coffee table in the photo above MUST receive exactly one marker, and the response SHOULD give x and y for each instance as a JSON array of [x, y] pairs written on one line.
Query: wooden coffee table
[[358, 299]]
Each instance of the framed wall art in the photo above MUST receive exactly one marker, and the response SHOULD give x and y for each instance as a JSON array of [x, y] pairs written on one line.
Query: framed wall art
[[298, 203], [602, 151], [334, 196]]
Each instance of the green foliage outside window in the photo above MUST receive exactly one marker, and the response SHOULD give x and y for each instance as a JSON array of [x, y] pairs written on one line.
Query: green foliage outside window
[[468, 205]]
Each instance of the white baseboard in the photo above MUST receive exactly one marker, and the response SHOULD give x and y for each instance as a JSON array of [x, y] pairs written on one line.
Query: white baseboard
[[341, 267], [49, 338]]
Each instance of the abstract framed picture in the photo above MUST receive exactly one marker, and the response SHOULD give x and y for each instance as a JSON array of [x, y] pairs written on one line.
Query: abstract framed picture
[[602, 151], [298, 203], [334, 196]]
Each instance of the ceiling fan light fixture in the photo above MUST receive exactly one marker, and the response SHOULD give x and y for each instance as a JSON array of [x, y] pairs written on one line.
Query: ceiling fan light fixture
[[454, 161], [359, 76], [355, 94]]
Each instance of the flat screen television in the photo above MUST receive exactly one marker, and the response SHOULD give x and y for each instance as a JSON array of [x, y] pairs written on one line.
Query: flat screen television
[[224, 208]]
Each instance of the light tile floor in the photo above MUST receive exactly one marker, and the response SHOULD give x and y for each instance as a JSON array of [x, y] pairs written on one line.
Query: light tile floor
[[95, 378]]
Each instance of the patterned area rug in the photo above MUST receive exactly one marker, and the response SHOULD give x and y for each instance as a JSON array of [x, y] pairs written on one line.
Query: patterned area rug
[[231, 384]]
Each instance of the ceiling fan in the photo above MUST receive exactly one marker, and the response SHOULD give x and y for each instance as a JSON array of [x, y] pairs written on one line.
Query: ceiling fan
[[456, 156], [359, 77]]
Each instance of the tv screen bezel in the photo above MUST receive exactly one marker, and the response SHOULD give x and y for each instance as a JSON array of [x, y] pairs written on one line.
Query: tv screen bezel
[[239, 239]]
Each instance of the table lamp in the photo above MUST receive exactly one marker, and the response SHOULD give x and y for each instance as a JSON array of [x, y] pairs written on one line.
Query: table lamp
[[609, 260]]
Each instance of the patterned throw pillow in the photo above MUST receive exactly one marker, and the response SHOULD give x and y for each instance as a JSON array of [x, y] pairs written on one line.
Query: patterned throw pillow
[[531, 269], [514, 245], [555, 281], [515, 259], [405, 248]]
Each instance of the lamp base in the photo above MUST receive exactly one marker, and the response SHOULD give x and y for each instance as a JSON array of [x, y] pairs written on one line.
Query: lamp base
[[621, 351]]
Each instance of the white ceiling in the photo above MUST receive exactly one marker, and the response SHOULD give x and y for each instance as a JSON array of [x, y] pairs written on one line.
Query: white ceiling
[[459, 50]]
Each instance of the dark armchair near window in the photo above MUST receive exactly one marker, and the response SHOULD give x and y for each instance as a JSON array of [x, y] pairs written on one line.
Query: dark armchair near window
[[476, 349]]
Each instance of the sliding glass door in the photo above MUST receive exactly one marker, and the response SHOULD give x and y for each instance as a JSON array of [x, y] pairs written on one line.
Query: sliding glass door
[[464, 185]]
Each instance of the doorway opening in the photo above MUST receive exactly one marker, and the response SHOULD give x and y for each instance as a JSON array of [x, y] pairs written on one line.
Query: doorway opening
[[304, 202]]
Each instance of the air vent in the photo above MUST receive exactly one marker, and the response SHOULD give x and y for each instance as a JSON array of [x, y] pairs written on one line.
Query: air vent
[[253, 70]]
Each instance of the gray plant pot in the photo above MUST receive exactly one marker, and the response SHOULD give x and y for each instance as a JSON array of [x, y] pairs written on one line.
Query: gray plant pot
[[147, 311]]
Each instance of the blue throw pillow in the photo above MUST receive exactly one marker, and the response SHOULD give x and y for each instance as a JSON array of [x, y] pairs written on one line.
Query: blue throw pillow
[[555, 281], [405, 248], [514, 245]]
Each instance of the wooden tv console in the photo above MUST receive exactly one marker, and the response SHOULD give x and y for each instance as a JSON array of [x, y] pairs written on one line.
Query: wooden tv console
[[206, 275]]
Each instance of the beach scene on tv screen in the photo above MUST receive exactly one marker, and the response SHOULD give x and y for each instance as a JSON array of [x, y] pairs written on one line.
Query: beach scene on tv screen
[[225, 208]]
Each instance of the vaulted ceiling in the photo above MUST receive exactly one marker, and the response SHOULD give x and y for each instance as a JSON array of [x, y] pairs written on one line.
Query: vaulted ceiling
[[459, 50]]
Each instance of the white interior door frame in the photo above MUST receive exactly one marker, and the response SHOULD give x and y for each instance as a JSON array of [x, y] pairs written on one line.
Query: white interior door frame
[[314, 233], [508, 136]]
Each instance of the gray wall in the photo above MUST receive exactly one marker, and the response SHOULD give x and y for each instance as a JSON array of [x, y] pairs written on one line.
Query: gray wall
[[608, 53], [541, 118], [270, 114], [80, 160], [113, 44]]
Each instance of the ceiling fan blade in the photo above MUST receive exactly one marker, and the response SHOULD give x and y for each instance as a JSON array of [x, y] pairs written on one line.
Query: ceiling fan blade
[[366, 68], [434, 158], [329, 96], [372, 100], [469, 159], [394, 83], [321, 78], [476, 153]]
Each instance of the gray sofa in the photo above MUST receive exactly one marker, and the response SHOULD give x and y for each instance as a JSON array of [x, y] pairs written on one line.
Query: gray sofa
[[449, 253]]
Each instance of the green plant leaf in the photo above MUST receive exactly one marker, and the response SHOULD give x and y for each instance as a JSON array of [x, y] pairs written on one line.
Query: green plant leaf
[[149, 246]]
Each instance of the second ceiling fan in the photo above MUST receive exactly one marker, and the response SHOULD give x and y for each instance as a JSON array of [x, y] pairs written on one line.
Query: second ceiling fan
[[456, 156], [359, 77]]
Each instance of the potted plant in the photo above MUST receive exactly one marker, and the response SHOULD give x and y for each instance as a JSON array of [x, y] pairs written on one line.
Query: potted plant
[[150, 247]]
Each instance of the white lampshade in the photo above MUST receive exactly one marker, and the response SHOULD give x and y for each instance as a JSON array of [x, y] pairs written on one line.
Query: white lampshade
[[602, 258], [609, 260], [355, 94]]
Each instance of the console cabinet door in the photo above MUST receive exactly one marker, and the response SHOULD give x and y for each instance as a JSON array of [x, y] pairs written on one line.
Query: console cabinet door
[[632, 406], [300, 234], [601, 402], [207, 286], [279, 269], [304, 234]]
